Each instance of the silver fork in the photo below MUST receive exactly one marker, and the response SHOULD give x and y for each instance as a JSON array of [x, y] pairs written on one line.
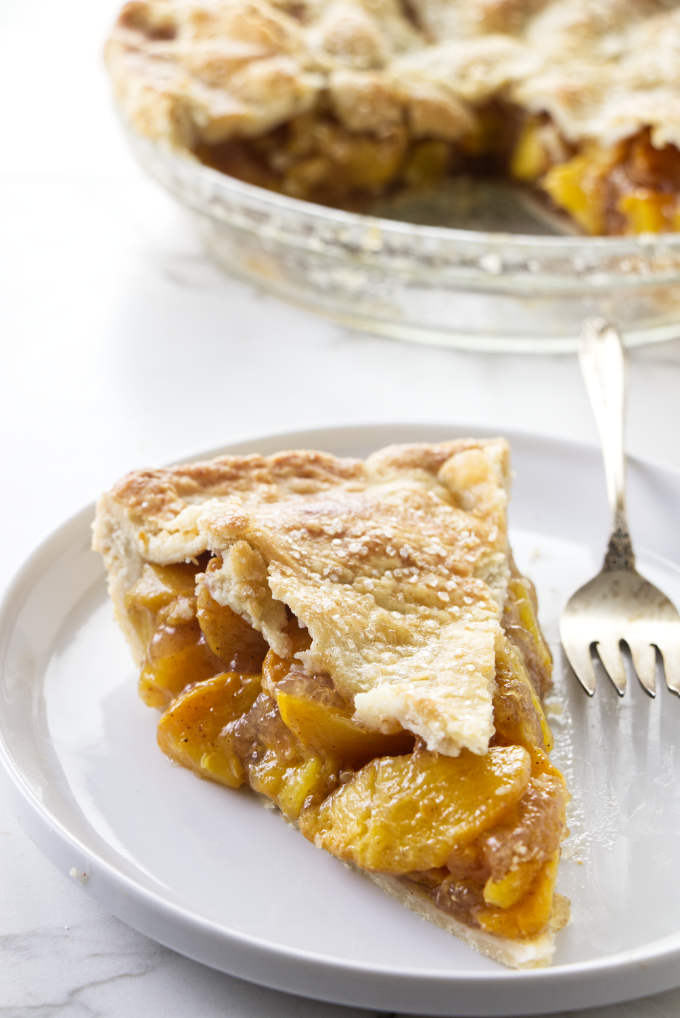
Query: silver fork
[[618, 606]]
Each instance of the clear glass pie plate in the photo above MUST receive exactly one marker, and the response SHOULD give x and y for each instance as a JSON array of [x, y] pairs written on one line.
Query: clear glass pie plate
[[511, 283]]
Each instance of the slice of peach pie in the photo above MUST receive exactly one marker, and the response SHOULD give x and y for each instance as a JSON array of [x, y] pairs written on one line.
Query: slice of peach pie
[[337, 101], [352, 639]]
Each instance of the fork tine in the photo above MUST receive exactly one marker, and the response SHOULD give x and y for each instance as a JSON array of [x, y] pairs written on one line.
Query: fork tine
[[581, 663], [644, 659], [610, 656], [671, 666]]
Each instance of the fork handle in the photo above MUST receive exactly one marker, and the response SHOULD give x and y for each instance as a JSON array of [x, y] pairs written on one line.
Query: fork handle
[[602, 361]]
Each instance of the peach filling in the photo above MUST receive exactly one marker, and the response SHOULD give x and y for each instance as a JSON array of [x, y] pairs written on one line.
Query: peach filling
[[628, 187], [480, 835]]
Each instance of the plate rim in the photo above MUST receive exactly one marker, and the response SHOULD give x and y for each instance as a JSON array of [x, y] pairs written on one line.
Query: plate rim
[[56, 840]]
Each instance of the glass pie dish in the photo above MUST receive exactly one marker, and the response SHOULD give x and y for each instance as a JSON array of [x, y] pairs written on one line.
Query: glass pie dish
[[514, 282]]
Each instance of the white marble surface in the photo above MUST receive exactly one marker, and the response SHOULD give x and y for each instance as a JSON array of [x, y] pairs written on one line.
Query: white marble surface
[[122, 345]]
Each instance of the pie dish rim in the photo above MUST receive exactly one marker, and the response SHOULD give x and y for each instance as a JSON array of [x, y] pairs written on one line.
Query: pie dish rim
[[373, 268]]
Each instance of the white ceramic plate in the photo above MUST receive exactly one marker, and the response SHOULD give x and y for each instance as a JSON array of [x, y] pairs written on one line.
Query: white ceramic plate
[[212, 874]]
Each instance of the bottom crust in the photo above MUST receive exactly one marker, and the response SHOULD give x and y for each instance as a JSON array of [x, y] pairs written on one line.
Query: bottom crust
[[534, 952]]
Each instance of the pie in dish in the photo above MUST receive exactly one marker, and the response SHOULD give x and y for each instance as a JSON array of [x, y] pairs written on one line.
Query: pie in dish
[[339, 100], [353, 640]]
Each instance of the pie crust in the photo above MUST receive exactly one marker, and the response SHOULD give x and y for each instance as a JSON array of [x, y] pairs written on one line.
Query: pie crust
[[327, 99], [327, 628]]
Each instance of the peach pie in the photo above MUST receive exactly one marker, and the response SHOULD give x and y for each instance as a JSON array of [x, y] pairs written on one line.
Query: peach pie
[[353, 641], [337, 101]]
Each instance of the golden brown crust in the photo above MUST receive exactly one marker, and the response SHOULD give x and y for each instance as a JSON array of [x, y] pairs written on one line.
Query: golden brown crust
[[397, 566], [203, 72], [153, 497]]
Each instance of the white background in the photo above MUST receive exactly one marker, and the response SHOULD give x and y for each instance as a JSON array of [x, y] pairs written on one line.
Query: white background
[[122, 346]]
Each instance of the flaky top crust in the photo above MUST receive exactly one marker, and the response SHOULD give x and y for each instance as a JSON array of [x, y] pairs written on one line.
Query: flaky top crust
[[195, 73], [397, 565]]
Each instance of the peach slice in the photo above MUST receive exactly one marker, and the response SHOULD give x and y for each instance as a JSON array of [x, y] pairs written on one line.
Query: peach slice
[[189, 730], [176, 657], [530, 913], [229, 637], [399, 814]]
